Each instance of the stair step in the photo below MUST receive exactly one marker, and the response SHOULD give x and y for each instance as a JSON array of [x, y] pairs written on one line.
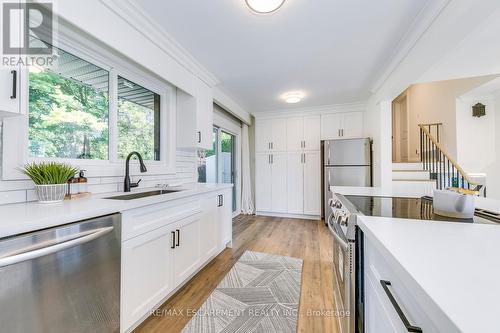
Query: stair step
[[415, 188], [407, 166], [410, 175]]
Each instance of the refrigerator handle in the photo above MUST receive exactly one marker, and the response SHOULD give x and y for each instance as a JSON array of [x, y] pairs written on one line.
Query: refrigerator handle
[[328, 149]]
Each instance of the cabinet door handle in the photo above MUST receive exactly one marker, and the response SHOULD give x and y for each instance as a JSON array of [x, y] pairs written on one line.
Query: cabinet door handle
[[178, 237], [199, 136], [272, 159], [339, 132], [304, 158], [342, 132], [221, 200], [396, 306], [173, 240], [269, 158], [14, 84], [272, 145]]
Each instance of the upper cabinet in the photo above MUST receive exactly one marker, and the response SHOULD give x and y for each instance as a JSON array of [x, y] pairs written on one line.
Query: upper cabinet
[[270, 135], [195, 118], [9, 92], [204, 116], [303, 133], [342, 125]]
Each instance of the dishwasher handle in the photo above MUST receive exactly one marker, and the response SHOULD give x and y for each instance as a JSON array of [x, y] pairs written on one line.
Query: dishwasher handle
[[24, 256]]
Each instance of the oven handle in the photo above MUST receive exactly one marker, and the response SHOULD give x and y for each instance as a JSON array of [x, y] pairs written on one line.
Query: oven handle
[[343, 244]]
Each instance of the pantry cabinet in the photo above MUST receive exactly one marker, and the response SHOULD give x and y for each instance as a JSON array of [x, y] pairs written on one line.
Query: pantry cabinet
[[270, 135], [341, 125], [303, 133], [271, 182], [304, 177]]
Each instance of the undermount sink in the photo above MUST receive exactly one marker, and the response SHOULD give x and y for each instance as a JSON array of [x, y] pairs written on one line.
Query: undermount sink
[[139, 195]]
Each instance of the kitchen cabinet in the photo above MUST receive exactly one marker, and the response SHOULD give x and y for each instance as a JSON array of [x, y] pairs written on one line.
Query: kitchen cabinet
[[165, 244], [186, 252], [147, 262], [225, 218], [303, 176], [194, 117], [270, 135], [382, 281], [303, 133], [9, 92], [271, 182], [342, 125], [204, 116], [312, 183]]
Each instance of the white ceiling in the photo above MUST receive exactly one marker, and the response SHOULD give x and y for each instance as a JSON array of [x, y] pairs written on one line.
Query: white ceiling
[[332, 50]]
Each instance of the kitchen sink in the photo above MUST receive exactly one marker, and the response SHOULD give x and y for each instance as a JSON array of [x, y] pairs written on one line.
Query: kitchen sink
[[139, 195]]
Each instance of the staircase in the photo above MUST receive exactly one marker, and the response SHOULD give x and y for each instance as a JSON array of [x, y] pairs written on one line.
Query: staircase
[[437, 169], [411, 179]]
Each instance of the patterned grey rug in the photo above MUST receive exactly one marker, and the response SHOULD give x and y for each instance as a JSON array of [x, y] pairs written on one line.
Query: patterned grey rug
[[259, 294]]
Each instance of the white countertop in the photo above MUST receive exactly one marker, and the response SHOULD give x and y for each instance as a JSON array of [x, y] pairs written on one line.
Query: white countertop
[[456, 265], [25, 217]]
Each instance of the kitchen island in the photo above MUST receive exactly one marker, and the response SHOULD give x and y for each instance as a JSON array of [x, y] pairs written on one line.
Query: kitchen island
[[434, 275]]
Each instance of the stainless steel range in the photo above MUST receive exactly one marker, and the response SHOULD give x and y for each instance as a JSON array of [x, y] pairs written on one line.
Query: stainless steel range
[[348, 246]]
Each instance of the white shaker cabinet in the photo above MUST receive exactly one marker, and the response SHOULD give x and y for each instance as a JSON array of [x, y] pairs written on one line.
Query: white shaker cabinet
[[312, 183], [187, 256], [204, 116], [9, 92], [304, 183], [225, 218], [270, 135], [342, 125], [271, 182], [147, 262], [303, 133]]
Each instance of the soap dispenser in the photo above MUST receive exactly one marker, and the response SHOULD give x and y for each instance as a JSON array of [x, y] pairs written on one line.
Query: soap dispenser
[[82, 182]]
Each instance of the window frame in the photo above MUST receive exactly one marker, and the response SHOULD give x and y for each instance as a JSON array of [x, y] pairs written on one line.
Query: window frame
[[15, 152]]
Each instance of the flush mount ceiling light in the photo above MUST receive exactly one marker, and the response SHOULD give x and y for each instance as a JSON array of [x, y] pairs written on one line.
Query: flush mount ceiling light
[[264, 6], [293, 97]]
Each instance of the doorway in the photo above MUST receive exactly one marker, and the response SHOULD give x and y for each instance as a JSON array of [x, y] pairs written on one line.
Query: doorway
[[400, 131]]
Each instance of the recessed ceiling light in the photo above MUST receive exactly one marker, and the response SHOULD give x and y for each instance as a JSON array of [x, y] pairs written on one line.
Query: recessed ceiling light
[[293, 97], [264, 6]]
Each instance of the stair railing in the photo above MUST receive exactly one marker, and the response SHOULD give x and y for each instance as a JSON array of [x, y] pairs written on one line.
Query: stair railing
[[440, 165]]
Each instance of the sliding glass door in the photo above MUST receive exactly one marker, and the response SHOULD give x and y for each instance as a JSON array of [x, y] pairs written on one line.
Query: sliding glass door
[[220, 161]]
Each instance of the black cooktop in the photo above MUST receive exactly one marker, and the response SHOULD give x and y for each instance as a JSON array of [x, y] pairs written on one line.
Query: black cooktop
[[412, 208]]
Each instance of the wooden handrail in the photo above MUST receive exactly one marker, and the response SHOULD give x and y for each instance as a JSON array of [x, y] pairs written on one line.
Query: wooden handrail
[[451, 159]]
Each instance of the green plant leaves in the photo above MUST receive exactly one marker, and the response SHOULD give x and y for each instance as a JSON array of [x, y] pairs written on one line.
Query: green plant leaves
[[49, 173]]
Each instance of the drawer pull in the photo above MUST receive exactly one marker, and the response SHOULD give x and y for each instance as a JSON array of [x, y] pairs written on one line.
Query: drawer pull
[[178, 237], [395, 304], [173, 240]]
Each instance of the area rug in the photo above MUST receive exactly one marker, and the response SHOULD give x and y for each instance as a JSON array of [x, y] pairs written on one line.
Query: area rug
[[260, 294]]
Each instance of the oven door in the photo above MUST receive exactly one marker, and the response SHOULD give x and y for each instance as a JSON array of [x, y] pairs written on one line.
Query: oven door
[[342, 277]]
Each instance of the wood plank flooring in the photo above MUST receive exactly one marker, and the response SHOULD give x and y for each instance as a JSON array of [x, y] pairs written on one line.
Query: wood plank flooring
[[309, 240]]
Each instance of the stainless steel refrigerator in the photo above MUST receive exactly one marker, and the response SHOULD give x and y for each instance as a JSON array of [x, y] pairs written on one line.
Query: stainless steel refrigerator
[[346, 162]]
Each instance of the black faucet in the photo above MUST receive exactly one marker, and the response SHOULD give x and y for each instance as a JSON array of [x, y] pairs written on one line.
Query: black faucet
[[126, 184]]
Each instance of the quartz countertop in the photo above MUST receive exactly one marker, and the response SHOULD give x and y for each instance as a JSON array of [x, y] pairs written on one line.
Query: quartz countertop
[[455, 265], [26, 217]]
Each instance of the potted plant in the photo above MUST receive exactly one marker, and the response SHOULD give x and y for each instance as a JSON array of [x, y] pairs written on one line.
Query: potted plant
[[50, 179]]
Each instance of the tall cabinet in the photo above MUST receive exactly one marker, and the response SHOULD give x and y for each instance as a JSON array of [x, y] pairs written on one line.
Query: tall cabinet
[[287, 165]]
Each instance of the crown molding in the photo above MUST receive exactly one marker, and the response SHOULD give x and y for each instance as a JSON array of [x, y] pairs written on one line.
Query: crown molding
[[314, 110], [137, 18], [422, 22]]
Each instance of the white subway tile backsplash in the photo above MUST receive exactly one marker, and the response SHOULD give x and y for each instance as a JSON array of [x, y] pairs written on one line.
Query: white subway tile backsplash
[[186, 172]]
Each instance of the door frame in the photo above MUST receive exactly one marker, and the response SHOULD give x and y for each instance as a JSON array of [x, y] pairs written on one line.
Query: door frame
[[403, 98]]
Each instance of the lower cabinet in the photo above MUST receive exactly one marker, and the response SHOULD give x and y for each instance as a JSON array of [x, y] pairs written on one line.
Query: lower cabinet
[[161, 258], [147, 262], [186, 250]]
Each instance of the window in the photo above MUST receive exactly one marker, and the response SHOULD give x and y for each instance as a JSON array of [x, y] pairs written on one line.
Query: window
[[138, 120], [69, 110]]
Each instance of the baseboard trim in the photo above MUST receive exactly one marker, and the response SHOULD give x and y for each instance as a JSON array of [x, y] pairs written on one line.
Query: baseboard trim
[[292, 216]]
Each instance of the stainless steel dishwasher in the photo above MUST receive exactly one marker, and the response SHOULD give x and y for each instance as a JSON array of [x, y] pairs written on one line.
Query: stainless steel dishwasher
[[62, 279]]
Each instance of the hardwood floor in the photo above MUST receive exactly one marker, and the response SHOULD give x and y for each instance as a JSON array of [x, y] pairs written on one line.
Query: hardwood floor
[[309, 240]]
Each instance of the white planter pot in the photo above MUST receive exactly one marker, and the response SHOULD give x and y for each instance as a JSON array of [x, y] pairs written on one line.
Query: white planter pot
[[51, 193]]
